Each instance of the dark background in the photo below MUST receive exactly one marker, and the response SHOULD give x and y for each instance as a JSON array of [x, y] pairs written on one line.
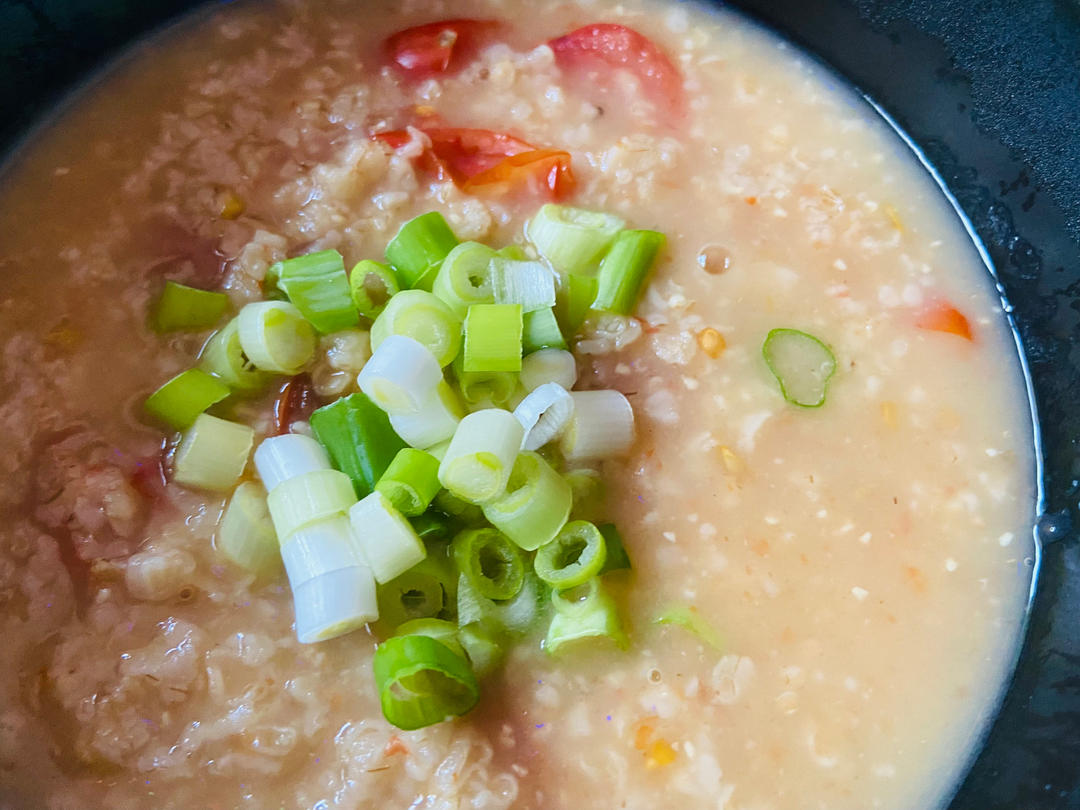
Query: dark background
[[990, 90]]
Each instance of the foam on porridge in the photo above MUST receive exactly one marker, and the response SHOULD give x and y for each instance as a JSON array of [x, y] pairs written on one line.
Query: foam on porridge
[[866, 563]]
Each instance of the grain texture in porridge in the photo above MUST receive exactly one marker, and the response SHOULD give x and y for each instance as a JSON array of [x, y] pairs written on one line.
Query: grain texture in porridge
[[864, 565]]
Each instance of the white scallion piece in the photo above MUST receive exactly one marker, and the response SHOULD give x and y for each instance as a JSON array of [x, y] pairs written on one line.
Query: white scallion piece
[[280, 458], [531, 284], [387, 540], [548, 365], [544, 415], [573, 240], [602, 426], [481, 454], [334, 604], [246, 535], [319, 548], [212, 453], [439, 450], [435, 422], [309, 498], [401, 375]]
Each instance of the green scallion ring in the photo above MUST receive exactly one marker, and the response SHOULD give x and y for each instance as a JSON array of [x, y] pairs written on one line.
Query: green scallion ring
[[493, 565], [574, 557], [802, 365], [422, 681]]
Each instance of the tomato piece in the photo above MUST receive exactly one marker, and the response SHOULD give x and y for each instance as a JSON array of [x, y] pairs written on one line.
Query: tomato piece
[[296, 400], [942, 316], [462, 152], [438, 47], [616, 46], [546, 170]]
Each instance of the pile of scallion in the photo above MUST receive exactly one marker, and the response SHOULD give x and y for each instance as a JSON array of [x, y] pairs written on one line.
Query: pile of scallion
[[437, 500]]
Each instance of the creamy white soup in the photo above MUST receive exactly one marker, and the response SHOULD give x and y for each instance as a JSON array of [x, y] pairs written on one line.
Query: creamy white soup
[[823, 601]]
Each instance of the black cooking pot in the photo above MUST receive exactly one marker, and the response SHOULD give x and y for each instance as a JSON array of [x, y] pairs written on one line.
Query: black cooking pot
[[989, 91]]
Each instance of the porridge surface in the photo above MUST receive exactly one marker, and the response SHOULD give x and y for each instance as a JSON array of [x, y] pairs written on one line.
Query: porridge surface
[[865, 564]]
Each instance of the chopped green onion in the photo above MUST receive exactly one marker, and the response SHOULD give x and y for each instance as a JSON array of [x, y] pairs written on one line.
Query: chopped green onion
[[588, 488], [411, 481], [528, 283], [574, 299], [802, 365], [465, 277], [480, 456], [493, 338], [468, 513], [438, 629], [401, 375], [535, 505], [493, 566], [224, 357], [573, 240], [182, 307], [617, 558], [624, 270], [318, 286], [592, 616], [421, 681], [387, 539], [689, 619], [602, 426], [517, 615], [575, 556], [424, 318], [548, 365], [307, 499], [357, 435], [422, 592], [419, 248], [516, 252], [212, 453], [320, 548], [481, 644], [334, 604], [544, 414], [495, 387], [439, 450], [540, 330], [246, 535], [434, 423], [179, 402], [279, 458], [372, 285], [434, 526], [276, 337]]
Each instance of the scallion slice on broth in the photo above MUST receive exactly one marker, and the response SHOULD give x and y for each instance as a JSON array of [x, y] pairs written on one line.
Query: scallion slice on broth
[[801, 364]]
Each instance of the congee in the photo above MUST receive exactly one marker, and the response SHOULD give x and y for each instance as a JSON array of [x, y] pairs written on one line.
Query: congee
[[443, 404]]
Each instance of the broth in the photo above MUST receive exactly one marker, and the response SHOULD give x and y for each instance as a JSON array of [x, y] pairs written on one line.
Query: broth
[[866, 564]]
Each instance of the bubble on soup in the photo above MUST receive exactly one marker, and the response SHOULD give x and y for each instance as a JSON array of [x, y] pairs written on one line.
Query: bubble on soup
[[714, 259]]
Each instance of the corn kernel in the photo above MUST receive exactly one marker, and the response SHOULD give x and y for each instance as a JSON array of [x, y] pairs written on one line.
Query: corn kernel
[[732, 463], [231, 205], [711, 342], [660, 755], [889, 414], [894, 217]]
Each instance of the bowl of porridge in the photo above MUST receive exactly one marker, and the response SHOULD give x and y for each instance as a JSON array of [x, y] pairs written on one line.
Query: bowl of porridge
[[503, 405]]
